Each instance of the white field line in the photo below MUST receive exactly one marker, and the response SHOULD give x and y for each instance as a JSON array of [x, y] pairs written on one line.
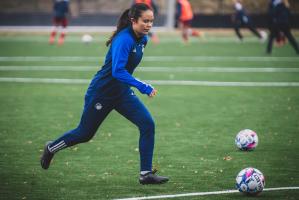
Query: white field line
[[158, 82], [203, 194], [157, 69], [150, 59], [162, 39], [44, 80], [50, 68]]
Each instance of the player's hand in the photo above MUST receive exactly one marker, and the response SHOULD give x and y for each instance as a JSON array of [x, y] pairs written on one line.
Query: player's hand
[[153, 93]]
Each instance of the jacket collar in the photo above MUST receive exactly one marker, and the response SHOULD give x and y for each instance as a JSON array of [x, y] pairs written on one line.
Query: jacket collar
[[137, 39]]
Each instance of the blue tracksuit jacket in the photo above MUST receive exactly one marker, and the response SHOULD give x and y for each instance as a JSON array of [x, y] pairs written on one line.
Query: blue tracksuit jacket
[[115, 77]]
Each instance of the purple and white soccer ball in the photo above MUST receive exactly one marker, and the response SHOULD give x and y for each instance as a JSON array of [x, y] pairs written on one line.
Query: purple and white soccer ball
[[250, 181], [246, 140]]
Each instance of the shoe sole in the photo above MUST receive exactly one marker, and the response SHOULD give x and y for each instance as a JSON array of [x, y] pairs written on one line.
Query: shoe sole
[[41, 159], [157, 183]]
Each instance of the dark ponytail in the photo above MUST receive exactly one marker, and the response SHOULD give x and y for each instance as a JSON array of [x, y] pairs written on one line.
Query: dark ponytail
[[125, 19]]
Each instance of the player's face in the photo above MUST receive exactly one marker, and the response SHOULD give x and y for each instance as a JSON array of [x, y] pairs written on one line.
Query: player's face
[[144, 23]]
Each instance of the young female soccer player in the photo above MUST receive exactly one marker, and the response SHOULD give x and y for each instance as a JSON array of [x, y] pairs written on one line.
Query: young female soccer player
[[110, 89]]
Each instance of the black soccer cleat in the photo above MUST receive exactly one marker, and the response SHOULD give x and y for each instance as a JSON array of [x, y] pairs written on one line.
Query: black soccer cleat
[[152, 178], [47, 156]]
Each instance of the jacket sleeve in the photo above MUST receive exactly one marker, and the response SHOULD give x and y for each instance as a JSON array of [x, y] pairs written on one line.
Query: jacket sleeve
[[121, 48]]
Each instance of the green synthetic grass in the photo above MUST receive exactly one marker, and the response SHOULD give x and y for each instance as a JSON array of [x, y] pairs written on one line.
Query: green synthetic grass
[[207, 76], [195, 126]]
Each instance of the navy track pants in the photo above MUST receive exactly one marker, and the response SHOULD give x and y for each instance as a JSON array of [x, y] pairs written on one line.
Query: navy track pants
[[94, 113]]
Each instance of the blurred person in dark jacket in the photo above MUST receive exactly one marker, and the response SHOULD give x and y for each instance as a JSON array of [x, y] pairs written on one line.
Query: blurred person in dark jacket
[[241, 19], [279, 21]]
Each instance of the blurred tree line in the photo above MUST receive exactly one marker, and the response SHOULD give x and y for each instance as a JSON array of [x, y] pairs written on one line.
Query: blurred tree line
[[208, 7]]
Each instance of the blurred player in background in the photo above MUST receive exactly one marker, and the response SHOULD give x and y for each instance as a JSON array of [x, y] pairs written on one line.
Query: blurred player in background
[[60, 22], [279, 15], [241, 19], [184, 16], [110, 89], [280, 39], [153, 5]]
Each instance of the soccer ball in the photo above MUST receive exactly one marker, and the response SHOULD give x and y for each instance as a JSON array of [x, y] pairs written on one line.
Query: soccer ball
[[86, 38], [250, 181], [246, 140]]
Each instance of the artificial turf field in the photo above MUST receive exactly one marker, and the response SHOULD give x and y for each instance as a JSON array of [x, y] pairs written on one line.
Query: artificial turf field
[[195, 124]]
